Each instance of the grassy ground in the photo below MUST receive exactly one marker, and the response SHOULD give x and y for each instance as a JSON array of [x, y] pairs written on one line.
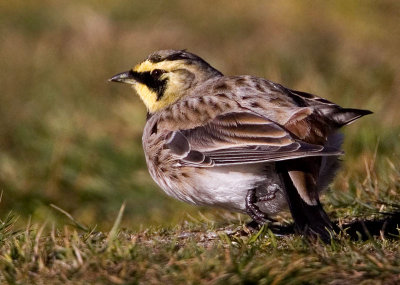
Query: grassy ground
[[202, 251], [70, 139]]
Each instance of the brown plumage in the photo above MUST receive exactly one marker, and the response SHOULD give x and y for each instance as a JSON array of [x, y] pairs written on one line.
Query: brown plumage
[[239, 142]]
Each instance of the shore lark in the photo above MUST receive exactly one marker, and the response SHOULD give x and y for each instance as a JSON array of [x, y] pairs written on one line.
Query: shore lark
[[238, 142]]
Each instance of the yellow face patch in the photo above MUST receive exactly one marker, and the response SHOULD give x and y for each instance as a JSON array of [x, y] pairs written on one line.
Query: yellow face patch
[[147, 66], [171, 93], [149, 98]]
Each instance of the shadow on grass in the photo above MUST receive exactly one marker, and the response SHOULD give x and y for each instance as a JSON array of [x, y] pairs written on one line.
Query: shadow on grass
[[387, 226], [360, 229]]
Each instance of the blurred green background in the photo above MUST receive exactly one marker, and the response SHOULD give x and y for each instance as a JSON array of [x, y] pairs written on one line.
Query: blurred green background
[[70, 138]]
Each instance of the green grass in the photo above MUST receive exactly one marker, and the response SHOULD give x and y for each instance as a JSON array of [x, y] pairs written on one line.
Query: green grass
[[201, 251], [69, 138]]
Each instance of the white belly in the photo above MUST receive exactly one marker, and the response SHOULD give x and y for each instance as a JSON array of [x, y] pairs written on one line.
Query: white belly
[[227, 187]]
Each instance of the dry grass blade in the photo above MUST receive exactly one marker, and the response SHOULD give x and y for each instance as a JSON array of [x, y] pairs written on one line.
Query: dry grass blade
[[69, 216], [114, 230]]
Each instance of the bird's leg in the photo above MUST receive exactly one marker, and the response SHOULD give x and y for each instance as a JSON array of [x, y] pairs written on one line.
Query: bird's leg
[[252, 209]]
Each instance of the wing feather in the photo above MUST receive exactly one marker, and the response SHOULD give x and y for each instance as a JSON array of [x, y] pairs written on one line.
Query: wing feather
[[240, 138]]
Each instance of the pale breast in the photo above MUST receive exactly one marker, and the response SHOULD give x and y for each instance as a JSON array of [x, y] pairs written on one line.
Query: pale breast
[[220, 186], [224, 187]]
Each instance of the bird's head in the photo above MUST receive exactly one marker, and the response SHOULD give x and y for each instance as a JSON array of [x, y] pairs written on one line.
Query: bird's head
[[166, 76]]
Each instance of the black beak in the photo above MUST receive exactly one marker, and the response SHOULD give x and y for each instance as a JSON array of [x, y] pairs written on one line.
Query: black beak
[[124, 77]]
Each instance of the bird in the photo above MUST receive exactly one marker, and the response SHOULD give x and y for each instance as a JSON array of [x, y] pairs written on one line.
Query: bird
[[242, 143]]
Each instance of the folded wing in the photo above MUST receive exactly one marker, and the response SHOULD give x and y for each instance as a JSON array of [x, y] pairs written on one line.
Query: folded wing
[[240, 138]]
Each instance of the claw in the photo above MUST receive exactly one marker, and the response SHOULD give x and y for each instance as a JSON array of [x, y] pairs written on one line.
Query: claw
[[252, 209]]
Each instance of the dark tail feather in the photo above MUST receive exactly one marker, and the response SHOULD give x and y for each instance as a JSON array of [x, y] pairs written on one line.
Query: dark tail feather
[[345, 116], [310, 220]]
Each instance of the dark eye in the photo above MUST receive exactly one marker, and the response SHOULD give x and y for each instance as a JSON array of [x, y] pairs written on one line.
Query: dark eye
[[157, 73]]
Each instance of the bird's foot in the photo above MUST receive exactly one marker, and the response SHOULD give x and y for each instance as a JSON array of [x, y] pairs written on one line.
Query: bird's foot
[[270, 195], [252, 209]]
